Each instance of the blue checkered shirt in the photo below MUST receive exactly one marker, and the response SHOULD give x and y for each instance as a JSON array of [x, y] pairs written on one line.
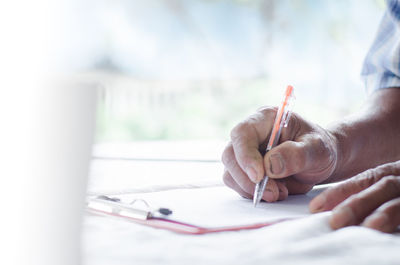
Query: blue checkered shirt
[[381, 67]]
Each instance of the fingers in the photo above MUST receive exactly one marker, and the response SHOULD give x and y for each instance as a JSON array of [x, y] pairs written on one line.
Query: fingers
[[283, 191], [228, 180], [331, 197], [235, 178], [236, 172], [357, 207], [271, 193], [274, 191], [246, 139], [370, 198], [386, 218]]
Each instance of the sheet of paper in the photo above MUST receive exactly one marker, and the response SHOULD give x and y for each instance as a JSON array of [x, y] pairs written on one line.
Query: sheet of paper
[[221, 206], [113, 177]]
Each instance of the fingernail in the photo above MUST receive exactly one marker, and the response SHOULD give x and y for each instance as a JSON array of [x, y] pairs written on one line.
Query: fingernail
[[276, 163], [342, 217], [251, 173], [317, 204]]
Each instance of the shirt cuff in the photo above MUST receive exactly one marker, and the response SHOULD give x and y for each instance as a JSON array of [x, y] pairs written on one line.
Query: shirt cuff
[[377, 81]]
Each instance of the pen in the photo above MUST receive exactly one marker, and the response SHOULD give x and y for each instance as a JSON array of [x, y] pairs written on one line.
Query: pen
[[281, 120]]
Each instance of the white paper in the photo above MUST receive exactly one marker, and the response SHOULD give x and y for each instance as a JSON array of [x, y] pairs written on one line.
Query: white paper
[[221, 206]]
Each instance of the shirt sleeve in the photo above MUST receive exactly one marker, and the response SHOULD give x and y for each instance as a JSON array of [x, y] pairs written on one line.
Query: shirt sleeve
[[381, 67]]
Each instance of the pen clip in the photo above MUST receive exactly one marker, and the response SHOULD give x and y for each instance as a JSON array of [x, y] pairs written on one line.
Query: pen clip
[[288, 109]]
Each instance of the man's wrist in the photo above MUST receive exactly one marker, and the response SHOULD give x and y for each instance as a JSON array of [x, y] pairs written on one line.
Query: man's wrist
[[340, 153]]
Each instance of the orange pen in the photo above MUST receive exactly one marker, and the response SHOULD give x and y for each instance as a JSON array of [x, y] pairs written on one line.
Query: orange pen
[[281, 120]]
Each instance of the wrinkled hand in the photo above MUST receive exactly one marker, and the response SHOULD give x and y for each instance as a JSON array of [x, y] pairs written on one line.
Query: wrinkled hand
[[371, 199], [306, 155]]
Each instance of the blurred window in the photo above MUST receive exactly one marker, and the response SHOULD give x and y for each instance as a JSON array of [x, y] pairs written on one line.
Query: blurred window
[[192, 69]]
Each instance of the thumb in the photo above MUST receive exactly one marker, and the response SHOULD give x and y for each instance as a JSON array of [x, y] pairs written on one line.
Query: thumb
[[310, 159]]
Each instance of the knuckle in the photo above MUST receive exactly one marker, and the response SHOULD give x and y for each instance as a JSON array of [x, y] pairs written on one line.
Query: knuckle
[[254, 118], [346, 187], [390, 182], [268, 110], [315, 148], [321, 146], [367, 178], [242, 131], [239, 130], [391, 168], [374, 175], [318, 140], [366, 182]]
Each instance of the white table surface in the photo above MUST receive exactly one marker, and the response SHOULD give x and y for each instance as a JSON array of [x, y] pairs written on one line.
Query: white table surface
[[308, 240]]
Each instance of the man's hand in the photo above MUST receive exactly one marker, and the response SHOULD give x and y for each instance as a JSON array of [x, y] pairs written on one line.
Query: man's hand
[[371, 198], [306, 155]]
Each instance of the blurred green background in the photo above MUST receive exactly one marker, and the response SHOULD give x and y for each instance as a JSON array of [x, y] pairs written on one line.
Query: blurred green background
[[192, 69]]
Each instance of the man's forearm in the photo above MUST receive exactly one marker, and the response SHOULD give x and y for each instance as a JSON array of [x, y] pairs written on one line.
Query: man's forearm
[[369, 138]]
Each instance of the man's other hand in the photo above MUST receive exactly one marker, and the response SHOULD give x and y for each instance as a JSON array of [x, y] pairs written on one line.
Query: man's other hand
[[370, 199]]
